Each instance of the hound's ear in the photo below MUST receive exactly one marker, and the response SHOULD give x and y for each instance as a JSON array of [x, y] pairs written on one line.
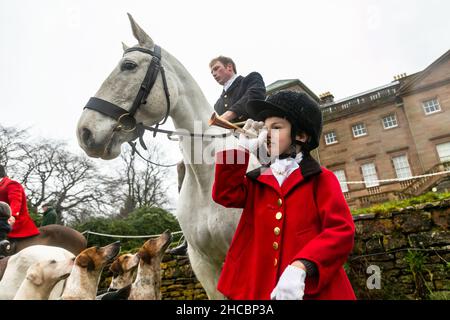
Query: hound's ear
[[135, 260], [143, 39], [124, 46], [35, 278], [144, 255], [85, 262], [116, 268]]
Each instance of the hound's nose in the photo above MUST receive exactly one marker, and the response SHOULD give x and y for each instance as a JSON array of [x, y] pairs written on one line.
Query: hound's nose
[[86, 137]]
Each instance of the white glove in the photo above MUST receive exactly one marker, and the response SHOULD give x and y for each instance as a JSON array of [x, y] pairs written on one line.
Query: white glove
[[252, 144], [291, 285]]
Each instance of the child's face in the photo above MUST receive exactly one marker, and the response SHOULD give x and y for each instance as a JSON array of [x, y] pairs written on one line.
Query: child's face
[[279, 136]]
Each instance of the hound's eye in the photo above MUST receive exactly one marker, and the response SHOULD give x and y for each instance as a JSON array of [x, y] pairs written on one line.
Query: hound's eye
[[128, 65]]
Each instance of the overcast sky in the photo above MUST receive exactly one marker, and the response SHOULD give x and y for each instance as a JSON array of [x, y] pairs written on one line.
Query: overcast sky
[[55, 54]]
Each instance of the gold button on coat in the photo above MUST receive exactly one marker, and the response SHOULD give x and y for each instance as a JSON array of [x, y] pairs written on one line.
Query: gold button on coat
[[275, 262], [225, 96], [280, 202], [278, 215], [276, 231], [275, 245], [226, 105]]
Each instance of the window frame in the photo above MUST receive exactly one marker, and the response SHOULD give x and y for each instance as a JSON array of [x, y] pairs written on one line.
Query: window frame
[[389, 115], [437, 151], [407, 162], [376, 184], [425, 107], [335, 137], [345, 189], [359, 135]]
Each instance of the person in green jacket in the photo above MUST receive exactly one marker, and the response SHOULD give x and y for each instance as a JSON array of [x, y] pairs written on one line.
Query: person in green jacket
[[49, 215]]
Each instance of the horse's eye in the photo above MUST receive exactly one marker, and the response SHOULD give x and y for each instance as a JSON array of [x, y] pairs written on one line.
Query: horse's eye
[[128, 65]]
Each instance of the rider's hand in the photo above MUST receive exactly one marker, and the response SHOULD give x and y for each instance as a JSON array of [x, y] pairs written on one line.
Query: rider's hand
[[291, 285], [11, 220], [250, 143]]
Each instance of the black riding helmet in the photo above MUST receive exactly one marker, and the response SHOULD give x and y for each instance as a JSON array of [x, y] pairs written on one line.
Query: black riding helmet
[[298, 108]]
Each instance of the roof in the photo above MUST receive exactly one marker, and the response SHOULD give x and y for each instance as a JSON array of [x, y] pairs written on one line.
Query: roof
[[392, 84], [420, 75], [287, 83]]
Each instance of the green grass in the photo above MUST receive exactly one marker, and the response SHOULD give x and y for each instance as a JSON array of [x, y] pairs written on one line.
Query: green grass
[[398, 204]]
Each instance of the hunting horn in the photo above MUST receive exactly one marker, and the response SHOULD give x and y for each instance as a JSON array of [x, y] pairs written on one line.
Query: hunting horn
[[217, 120]]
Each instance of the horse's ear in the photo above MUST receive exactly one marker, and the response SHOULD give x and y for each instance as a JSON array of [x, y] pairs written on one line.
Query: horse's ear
[[143, 38], [124, 46]]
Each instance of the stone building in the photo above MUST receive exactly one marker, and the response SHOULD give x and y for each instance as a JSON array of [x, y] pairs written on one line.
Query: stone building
[[394, 132]]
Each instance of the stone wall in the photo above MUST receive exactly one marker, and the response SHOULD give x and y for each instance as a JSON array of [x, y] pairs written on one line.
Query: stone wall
[[178, 280], [411, 248]]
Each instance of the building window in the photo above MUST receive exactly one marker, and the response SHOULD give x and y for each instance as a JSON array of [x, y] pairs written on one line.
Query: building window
[[401, 166], [431, 106], [390, 121], [330, 137], [340, 175], [370, 175], [359, 130], [443, 150]]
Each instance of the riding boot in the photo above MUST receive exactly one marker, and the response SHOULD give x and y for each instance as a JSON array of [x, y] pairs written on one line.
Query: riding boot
[[181, 250]]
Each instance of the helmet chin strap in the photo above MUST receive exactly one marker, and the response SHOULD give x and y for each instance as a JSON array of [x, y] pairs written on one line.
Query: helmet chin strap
[[291, 152]]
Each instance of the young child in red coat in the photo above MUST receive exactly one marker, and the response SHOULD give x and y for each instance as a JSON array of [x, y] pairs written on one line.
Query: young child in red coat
[[296, 230]]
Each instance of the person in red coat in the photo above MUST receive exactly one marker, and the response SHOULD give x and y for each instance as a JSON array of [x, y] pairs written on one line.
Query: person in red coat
[[13, 194], [296, 230]]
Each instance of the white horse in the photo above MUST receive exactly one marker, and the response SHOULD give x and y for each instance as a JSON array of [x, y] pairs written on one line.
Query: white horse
[[207, 226]]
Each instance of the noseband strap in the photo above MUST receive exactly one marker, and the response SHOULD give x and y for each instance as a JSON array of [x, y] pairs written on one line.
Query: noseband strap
[[105, 107]]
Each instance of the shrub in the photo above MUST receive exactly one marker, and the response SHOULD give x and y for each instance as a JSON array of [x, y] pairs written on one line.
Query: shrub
[[142, 221]]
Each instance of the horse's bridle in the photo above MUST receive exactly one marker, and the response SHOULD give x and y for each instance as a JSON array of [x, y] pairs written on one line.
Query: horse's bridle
[[126, 120]]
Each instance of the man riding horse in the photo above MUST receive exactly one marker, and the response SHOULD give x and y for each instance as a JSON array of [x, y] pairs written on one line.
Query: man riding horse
[[20, 221]]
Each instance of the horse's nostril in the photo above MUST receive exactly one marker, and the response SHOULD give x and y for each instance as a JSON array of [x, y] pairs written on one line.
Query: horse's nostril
[[86, 136]]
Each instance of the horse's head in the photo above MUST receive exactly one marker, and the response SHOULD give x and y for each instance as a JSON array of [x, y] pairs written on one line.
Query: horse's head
[[109, 118]]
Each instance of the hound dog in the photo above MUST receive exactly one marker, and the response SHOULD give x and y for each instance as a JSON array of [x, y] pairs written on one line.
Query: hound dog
[[42, 277], [19, 263], [147, 285], [83, 281], [123, 270]]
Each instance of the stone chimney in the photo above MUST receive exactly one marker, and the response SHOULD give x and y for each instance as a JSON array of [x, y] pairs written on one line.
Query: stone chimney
[[326, 97], [399, 76]]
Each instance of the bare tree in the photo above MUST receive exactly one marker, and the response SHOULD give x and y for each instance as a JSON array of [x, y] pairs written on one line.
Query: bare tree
[[49, 172], [75, 185], [12, 145], [144, 183]]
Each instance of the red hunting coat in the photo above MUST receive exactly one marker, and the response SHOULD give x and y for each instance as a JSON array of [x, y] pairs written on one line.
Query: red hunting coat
[[12, 193], [306, 218]]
